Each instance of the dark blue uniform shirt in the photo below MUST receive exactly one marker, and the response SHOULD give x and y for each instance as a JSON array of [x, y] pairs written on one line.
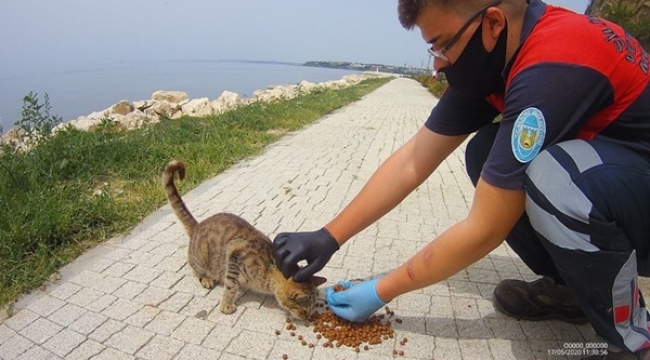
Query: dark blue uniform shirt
[[572, 76]]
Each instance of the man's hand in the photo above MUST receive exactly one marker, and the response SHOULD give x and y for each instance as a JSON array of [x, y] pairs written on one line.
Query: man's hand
[[316, 247], [356, 303]]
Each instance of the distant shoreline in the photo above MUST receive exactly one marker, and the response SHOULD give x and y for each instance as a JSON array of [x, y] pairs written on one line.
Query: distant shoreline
[[343, 65]]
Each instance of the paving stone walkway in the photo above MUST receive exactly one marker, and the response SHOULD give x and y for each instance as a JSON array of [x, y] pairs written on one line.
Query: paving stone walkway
[[136, 298]]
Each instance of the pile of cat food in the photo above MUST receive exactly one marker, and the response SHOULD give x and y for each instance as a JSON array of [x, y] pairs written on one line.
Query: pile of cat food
[[340, 332]]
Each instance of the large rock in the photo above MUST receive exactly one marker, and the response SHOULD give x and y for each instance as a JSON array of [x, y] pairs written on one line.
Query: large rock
[[162, 109], [177, 97], [122, 108], [229, 99], [306, 86], [226, 101], [143, 105], [135, 120], [276, 92], [87, 123], [198, 107]]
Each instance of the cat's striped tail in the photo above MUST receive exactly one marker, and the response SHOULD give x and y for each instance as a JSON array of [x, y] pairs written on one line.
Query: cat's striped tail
[[175, 200]]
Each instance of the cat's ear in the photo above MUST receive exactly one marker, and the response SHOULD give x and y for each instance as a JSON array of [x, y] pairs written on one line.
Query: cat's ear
[[299, 297], [318, 280]]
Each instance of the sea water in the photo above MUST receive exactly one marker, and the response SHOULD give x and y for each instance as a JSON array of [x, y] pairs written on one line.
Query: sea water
[[79, 91]]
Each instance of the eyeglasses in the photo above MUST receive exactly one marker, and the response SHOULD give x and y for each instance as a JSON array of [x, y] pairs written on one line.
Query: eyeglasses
[[441, 54]]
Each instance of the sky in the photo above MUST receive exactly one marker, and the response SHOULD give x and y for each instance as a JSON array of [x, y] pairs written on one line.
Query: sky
[[36, 35]]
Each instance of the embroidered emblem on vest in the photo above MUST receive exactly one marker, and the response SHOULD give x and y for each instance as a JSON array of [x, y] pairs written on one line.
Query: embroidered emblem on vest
[[528, 134]]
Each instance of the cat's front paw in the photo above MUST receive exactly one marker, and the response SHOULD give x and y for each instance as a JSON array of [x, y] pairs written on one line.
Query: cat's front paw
[[207, 283], [228, 308]]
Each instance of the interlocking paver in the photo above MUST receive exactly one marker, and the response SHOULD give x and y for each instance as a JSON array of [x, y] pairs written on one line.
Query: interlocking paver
[[118, 269], [193, 352], [193, 330], [168, 279], [109, 284], [87, 323], [106, 330], [64, 342], [36, 353], [165, 323], [112, 354], [130, 290], [130, 339], [46, 305], [5, 333], [160, 348], [121, 309], [65, 290], [176, 302], [14, 346], [67, 314], [86, 350], [136, 297], [40, 330], [251, 344], [143, 317], [85, 297], [19, 321]]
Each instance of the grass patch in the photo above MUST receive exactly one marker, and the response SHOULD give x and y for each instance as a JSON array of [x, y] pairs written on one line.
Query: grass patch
[[435, 85], [78, 188]]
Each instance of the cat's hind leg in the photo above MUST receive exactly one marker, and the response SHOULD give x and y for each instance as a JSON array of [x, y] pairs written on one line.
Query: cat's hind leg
[[231, 287], [234, 275]]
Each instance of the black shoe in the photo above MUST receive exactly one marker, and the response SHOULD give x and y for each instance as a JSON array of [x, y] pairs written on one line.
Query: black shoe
[[541, 299]]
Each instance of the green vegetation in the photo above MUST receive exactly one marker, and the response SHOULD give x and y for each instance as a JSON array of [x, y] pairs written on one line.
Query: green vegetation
[[627, 17], [632, 15], [76, 189], [435, 85]]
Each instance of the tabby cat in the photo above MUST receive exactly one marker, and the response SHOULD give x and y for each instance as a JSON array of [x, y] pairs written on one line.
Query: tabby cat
[[226, 248]]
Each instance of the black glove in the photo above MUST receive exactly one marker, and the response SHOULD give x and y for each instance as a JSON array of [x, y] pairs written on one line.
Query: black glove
[[316, 247]]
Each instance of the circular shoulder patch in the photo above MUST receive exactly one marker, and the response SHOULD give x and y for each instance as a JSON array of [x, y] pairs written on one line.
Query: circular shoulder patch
[[528, 134]]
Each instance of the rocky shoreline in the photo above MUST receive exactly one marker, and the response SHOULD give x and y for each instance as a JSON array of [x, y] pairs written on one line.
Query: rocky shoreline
[[176, 104]]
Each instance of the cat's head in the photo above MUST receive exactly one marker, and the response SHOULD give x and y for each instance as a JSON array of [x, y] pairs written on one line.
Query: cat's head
[[299, 298]]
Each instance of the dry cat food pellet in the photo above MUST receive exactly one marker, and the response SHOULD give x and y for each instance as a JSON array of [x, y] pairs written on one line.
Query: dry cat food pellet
[[350, 334], [398, 320], [339, 332], [285, 356], [400, 353]]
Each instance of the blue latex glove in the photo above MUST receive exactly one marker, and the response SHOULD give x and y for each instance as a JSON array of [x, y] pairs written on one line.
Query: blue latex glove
[[356, 303]]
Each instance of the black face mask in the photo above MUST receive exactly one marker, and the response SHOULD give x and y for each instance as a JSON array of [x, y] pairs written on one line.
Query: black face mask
[[477, 72]]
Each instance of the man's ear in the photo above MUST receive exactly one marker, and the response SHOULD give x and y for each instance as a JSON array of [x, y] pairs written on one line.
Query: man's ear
[[494, 22]]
